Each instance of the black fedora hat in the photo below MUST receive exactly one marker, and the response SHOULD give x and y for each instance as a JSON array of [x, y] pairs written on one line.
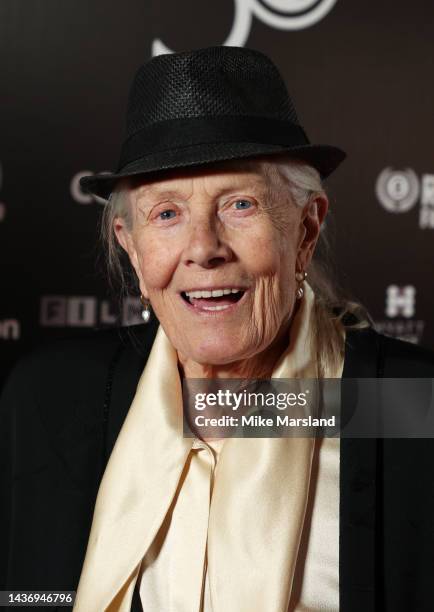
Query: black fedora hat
[[208, 105]]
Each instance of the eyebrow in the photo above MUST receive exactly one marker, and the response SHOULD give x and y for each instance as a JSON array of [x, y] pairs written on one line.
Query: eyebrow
[[157, 191]]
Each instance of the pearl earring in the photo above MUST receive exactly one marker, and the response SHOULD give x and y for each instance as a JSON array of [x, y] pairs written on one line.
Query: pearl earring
[[146, 312], [300, 277]]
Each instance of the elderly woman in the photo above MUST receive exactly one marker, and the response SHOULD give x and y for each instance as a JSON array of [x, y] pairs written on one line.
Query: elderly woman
[[218, 205]]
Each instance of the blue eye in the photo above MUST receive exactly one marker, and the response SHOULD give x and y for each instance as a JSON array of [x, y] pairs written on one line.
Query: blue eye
[[166, 214], [245, 204]]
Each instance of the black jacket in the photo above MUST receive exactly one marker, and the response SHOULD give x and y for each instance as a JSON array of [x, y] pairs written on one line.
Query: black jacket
[[63, 407]]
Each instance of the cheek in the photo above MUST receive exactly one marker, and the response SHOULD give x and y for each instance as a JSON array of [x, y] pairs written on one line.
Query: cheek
[[272, 256], [157, 262]]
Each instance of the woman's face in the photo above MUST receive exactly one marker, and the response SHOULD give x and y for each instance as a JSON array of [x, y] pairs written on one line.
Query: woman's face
[[216, 252]]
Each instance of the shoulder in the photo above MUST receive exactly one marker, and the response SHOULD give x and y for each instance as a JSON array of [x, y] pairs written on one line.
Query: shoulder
[[72, 369], [406, 358], [378, 355], [84, 353]]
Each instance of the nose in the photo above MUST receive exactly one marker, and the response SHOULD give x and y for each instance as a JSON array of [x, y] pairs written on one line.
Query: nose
[[205, 247]]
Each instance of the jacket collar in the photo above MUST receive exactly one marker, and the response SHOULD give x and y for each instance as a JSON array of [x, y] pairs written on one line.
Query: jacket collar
[[358, 485]]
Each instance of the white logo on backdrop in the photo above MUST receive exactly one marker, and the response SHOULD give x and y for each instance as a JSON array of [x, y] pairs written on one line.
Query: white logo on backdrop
[[78, 194], [2, 206], [400, 301], [405, 329], [399, 190], [280, 14], [400, 308], [10, 329], [426, 215], [85, 311]]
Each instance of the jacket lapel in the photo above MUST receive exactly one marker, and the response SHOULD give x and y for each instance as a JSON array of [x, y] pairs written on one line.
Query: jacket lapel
[[123, 376], [122, 382], [358, 484], [131, 504]]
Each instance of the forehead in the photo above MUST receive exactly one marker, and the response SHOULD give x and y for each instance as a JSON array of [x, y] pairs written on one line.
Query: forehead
[[251, 174]]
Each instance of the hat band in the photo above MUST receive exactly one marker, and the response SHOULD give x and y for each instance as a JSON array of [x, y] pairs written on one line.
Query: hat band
[[181, 133]]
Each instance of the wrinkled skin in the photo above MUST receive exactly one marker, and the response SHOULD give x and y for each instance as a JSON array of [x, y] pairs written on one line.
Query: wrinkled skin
[[233, 225]]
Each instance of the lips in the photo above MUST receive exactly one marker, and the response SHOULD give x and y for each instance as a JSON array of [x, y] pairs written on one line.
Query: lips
[[216, 299]]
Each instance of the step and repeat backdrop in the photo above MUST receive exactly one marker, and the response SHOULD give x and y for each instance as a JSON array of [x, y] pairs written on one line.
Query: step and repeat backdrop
[[361, 76]]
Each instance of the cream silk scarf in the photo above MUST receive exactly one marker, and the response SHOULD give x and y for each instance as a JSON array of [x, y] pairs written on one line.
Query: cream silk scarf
[[256, 515]]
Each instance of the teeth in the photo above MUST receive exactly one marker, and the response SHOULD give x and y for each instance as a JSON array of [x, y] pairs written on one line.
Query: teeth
[[208, 294], [214, 307]]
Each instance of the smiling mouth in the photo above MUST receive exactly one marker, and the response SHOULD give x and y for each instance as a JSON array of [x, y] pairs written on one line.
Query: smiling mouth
[[213, 300]]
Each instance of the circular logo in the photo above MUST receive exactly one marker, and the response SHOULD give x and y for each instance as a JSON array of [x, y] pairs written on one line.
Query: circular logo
[[292, 14], [78, 194], [397, 190], [280, 14]]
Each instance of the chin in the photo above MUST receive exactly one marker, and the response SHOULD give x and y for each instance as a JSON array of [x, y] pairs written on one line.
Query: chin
[[217, 351]]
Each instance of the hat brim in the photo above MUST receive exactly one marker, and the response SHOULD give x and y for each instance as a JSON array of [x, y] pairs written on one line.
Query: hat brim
[[324, 158]]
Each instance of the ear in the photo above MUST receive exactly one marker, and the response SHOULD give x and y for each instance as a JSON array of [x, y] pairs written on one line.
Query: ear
[[312, 218], [126, 240]]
